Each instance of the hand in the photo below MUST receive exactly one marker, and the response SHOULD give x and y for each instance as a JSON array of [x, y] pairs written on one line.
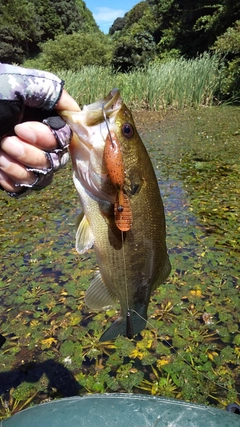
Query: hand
[[24, 150], [31, 149]]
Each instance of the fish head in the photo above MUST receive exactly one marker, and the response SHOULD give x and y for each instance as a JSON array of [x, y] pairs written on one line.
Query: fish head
[[90, 128]]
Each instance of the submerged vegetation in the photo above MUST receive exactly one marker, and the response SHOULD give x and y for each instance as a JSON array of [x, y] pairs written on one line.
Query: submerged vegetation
[[191, 347]]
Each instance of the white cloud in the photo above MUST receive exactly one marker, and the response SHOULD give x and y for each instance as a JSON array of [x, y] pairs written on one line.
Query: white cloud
[[107, 15]]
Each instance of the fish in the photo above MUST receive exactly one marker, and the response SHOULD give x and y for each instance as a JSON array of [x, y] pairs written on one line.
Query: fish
[[123, 215]]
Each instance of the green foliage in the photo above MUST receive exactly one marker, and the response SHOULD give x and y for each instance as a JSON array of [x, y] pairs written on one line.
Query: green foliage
[[61, 16], [133, 53], [134, 42], [138, 17], [228, 45], [88, 23], [151, 30], [16, 400], [20, 30], [187, 27], [174, 83], [118, 25], [73, 51], [229, 42], [23, 25], [192, 27], [62, 35]]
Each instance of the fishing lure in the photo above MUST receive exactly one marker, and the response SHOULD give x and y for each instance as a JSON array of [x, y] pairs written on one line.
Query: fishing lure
[[115, 168]]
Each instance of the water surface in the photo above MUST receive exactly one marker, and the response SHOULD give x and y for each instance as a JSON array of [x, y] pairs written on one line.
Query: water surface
[[191, 349]]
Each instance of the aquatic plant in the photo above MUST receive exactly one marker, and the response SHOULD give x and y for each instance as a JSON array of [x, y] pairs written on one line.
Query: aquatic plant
[[16, 400], [191, 346], [160, 385]]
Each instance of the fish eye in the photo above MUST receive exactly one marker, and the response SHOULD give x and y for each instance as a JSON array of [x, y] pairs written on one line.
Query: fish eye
[[127, 130]]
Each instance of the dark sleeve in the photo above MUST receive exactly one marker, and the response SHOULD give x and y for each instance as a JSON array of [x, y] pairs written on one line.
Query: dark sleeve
[[26, 94]]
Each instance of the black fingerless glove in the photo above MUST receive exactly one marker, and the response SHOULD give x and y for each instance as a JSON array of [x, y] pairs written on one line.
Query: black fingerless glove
[[27, 94]]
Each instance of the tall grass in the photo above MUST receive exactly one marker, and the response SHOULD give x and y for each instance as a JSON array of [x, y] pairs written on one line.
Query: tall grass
[[178, 83]]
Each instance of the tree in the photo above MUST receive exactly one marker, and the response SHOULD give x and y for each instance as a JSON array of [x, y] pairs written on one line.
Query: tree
[[192, 27], [117, 25], [133, 52], [19, 28], [139, 16], [228, 45], [63, 16], [73, 51], [23, 25], [88, 21]]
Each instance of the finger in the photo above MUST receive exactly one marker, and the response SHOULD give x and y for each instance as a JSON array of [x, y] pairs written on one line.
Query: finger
[[8, 184], [24, 153], [15, 170], [66, 102], [37, 134]]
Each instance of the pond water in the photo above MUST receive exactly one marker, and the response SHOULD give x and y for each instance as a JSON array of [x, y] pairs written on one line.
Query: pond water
[[191, 349]]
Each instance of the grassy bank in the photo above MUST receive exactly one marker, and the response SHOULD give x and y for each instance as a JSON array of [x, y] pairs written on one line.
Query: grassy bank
[[178, 83]]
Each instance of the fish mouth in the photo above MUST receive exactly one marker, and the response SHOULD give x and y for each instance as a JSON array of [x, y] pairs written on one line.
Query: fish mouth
[[103, 108], [94, 113], [90, 128]]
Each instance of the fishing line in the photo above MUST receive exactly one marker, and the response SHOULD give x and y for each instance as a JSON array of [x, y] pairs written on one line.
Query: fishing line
[[175, 351], [106, 121], [129, 331], [129, 327], [125, 271], [124, 260]]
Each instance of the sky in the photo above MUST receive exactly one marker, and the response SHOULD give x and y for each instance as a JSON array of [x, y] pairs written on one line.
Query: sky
[[106, 11]]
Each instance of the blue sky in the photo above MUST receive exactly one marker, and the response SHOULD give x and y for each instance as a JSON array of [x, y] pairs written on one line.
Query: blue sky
[[106, 11]]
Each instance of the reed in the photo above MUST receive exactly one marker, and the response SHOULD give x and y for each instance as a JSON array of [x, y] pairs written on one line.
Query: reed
[[178, 83]]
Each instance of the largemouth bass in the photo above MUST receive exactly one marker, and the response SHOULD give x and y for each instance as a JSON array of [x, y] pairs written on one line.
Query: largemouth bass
[[123, 214]]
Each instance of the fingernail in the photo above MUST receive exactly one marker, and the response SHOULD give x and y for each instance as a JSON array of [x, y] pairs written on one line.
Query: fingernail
[[26, 133]]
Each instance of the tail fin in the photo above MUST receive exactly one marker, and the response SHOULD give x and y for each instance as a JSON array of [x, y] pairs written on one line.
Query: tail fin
[[137, 318]]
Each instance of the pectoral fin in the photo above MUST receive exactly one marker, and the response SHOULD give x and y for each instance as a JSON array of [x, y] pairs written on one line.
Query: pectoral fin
[[97, 295], [84, 235]]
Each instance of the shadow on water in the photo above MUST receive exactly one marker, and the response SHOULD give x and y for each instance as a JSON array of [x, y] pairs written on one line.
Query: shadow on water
[[59, 378]]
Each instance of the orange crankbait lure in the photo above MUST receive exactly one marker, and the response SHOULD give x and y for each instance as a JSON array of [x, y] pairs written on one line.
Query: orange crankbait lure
[[115, 169]]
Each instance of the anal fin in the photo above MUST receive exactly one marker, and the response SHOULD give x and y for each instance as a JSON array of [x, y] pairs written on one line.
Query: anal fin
[[97, 295]]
